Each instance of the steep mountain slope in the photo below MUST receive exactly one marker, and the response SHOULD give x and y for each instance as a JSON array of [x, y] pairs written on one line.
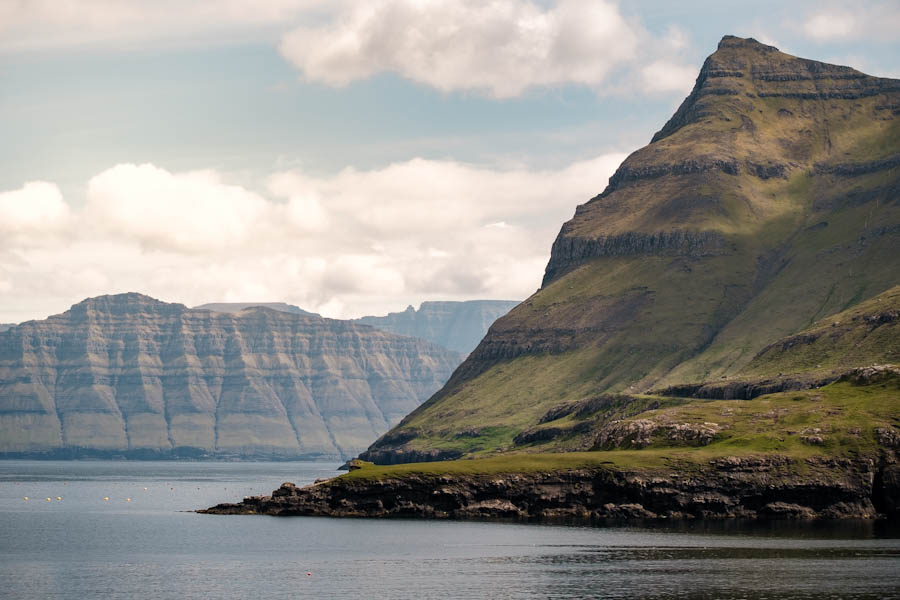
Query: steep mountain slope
[[458, 326], [5, 326], [129, 373], [236, 307], [769, 200], [845, 359]]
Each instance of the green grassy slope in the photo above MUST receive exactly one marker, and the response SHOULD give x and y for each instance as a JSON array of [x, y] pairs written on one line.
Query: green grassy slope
[[769, 201], [841, 420]]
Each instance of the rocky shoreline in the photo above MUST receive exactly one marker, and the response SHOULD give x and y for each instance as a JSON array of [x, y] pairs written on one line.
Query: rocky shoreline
[[769, 487]]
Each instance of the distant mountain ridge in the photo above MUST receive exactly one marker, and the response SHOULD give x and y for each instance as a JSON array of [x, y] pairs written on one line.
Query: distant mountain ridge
[[236, 307], [455, 325], [458, 326], [128, 374]]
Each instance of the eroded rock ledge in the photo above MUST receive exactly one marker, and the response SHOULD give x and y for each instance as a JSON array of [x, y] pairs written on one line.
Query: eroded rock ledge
[[730, 487], [753, 388], [569, 251]]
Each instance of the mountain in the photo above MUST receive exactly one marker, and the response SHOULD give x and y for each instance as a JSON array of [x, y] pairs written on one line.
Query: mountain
[[5, 326], [458, 326], [814, 441], [796, 435], [236, 307], [717, 333], [130, 375], [769, 200]]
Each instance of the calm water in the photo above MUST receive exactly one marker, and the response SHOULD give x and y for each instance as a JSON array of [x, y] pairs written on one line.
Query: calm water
[[86, 547]]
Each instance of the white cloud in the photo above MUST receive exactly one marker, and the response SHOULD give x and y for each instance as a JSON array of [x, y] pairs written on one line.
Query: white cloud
[[358, 242], [874, 21], [497, 47], [829, 26], [57, 23], [186, 212], [31, 212], [665, 76], [501, 47]]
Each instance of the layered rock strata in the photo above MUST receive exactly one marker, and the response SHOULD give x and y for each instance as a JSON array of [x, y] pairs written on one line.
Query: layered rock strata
[[130, 375]]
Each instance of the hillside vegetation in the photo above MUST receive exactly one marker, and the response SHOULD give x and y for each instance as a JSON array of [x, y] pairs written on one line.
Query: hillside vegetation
[[768, 202]]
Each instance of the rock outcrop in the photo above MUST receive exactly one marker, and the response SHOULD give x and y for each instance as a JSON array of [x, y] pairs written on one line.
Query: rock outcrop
[[130, 375], [458, 326], [730, 487]]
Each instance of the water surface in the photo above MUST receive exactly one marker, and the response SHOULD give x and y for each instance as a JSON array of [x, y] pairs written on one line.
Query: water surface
[[84, 546]]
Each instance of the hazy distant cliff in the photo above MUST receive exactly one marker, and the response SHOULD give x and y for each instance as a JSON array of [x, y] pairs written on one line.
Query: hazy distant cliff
[[130, 373], [236, 307], [458, 326]]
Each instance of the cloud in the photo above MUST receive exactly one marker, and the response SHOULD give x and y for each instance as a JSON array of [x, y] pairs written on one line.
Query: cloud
[[876, 21], [31, 213], [187, 212], [59, 23], [358, 242], [500, 47], [665, 76]]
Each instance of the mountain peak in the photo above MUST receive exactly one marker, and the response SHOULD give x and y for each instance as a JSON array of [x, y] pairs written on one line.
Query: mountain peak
[[740, 77], [731, 41], [120, 300], [236, 307]]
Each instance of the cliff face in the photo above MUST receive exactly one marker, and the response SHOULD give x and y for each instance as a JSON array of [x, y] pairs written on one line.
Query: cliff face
[[458, 326], [768, 201], [130, 373]]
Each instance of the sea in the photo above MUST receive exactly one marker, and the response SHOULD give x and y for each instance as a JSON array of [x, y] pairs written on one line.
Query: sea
[[125, 529]]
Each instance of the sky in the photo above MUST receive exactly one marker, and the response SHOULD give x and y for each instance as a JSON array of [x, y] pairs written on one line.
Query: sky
[[349, 157]]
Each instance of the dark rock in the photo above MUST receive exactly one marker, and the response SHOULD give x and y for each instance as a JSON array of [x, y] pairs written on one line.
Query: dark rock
[[745, 487], [858, 169], [568, 252], [396, 456]]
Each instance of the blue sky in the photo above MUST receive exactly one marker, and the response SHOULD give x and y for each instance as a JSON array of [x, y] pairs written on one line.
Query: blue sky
[[350, 157]]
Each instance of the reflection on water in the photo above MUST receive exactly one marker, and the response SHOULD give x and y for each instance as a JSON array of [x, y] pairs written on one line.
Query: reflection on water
[[84, 546]]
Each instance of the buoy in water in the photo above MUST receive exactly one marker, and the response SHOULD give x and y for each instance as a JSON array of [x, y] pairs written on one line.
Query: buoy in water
[[106, 498], [145, 489], [58, 498], [48, 499], [127, 499], [308, 574], [26, 497]]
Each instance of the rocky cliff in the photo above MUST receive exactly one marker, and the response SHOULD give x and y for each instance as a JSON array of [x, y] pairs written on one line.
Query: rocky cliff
[[750, 488], [458, 326], [127, 374], [768, 201]]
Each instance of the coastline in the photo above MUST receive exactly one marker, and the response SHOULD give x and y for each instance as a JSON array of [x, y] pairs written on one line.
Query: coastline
[[750, 487]]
